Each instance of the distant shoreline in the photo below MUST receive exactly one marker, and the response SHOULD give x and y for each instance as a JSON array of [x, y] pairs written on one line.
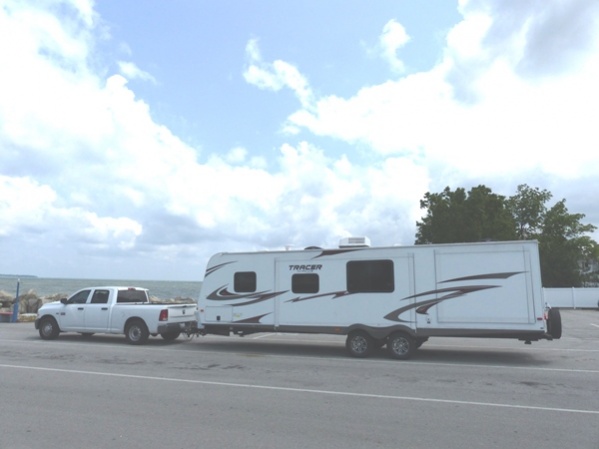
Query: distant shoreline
[[17, 276]]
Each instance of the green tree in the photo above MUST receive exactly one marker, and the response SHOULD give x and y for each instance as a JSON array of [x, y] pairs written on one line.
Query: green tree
[[457, 216], [566, 251], [528, 210], [564, 248]]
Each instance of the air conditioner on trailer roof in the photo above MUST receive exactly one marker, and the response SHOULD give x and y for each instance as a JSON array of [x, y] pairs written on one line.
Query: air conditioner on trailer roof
[[354, 242]]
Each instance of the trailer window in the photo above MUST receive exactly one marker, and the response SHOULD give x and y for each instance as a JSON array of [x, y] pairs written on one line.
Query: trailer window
[[370, 276], [305, 283], [244, 281]]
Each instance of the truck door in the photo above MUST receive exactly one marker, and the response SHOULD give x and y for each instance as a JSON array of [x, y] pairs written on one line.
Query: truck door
[[72, 316], [97, 312]]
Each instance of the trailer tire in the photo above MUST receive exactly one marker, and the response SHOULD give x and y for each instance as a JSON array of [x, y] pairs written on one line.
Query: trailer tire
[[359, 344], [136, 332], [400, 346], [554, 323], [49, 329]]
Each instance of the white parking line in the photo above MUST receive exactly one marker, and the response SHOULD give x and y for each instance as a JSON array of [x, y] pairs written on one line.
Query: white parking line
[[310, 391]]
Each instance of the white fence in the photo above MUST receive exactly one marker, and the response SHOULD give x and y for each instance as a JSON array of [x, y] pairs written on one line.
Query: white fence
[[572, 297]]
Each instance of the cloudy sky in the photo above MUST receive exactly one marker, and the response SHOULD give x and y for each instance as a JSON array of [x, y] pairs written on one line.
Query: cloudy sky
[[139, 138]]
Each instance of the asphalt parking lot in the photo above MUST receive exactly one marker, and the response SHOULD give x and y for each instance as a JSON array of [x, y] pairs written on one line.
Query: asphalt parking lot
[[299, 391]]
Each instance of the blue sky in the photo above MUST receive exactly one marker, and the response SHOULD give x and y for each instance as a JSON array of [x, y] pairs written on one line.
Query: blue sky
[[139, 138], [196, 52]]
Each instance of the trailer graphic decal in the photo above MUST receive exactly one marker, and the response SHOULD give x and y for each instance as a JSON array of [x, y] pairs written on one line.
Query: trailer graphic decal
[[484, 276], [322, 295], [222, 294], [422, 307], [333, 252], [211, 270], [252, 320]]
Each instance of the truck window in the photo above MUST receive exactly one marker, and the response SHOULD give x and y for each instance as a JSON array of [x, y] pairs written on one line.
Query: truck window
[[244, 281], [100, 297], [370, 276], [131, 295], [305, 283], [79, 298]]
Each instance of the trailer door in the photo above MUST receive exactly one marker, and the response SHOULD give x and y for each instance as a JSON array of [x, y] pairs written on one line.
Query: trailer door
[[484, 288], [309, 287]]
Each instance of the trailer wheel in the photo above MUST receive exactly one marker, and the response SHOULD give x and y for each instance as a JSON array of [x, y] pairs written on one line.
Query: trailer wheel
[[136, 332], [554, 323], [400, 346], [359, 344], [170, 336], [49, 329]]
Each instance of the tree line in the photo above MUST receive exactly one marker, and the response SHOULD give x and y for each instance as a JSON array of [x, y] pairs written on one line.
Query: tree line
[[566, 250]]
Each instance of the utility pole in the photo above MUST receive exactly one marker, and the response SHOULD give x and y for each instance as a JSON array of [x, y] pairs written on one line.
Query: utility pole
[[15, 307]]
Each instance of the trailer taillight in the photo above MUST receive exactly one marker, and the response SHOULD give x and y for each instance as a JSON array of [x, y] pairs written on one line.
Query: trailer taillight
[[163, 315]]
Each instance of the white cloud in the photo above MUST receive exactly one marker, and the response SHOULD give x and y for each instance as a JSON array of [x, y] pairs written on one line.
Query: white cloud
[[474, 112], [130, 71], [276, 75], [237, 155], [85, 170], [23, 204], [393, 38], [113, 181], [27, 207]]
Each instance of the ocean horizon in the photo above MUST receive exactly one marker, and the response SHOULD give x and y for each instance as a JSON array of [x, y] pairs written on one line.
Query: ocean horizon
[[52, 286]]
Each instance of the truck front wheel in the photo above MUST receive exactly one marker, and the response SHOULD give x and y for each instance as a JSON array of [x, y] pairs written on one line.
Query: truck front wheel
[[49, 329], [136, 332], [359, 344], [400, 346]]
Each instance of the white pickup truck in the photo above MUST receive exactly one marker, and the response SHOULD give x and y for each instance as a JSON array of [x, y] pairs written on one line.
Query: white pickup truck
[[115, 310]]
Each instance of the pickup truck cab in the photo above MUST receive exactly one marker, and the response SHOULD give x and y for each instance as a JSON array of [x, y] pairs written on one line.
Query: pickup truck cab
[[115, 310]]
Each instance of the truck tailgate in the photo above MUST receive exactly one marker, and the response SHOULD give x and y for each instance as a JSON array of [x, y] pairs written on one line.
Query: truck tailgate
[[181, 312]]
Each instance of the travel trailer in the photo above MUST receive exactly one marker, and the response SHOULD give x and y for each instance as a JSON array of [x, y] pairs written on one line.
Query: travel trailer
[[394, 296]]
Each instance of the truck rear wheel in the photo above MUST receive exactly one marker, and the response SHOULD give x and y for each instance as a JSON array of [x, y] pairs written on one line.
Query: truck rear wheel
[[49, 329], [170, 336], [554, 323], [400, 346], [136, 332], [359, 344]]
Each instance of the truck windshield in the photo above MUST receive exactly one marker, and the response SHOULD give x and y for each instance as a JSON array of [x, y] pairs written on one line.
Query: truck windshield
[[131, 295]]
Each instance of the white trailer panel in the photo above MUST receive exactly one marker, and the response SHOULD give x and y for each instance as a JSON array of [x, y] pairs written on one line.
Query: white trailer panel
[[477, 289]]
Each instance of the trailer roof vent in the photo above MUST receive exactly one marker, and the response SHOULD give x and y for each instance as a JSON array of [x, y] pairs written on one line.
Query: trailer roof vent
[[354, 242]]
